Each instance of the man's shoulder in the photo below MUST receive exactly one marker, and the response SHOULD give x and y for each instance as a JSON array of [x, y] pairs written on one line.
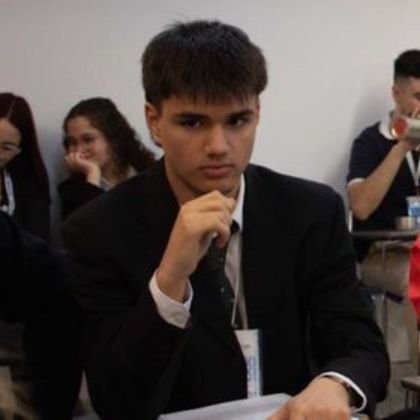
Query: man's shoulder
[[129, 204], [287, 187], [113, 205], [369, 148], [372, 133]]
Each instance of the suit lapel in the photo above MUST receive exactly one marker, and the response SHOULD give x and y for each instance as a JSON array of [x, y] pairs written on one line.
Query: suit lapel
[[160, 213], [263, 251], [208, 308]]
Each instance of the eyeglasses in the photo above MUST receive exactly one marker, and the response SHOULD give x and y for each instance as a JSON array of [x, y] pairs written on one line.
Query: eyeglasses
[[10, 148]]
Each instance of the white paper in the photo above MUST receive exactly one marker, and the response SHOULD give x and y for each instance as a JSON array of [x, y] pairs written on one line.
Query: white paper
[[258, 408]]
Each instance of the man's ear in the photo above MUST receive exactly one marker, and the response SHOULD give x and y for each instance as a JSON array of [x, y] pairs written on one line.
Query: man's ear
[[152, 116]]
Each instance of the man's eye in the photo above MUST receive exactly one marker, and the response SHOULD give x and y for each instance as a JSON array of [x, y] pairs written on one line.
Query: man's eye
[[191, 122], [238, 121]]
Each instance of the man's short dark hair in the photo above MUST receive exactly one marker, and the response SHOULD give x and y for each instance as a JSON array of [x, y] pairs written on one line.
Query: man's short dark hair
[[206, 60], [407, 65]]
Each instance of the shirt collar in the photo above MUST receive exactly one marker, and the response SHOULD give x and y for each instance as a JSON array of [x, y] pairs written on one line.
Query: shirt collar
[[238, 211], [384, 127]]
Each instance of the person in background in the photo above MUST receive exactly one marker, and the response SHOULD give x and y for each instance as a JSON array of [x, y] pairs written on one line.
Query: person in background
[[40, 326], [25, 197], [102, 150], [35, 291], [383, 171], [24, 188], [170, 323]]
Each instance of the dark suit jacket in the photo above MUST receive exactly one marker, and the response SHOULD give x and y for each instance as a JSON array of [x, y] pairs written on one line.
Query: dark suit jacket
[[75, 192], [34, 290], [300, 287], [32, 211]]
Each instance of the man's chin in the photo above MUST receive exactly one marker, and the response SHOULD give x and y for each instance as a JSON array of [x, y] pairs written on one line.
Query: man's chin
[[228, 189]]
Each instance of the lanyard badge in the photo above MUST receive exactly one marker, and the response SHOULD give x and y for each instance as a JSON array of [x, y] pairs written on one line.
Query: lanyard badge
[[250, 343]]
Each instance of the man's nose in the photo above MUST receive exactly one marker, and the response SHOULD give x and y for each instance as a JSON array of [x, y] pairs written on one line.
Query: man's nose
[[217, 141]]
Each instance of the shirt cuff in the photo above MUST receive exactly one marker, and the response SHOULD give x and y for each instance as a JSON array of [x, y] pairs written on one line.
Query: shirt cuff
[[354, 181], [172, 311], [353, 386]]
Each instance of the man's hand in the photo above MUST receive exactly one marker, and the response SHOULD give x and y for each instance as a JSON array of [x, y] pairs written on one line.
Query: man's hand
[[198, 222], [323, 399], [406, 143], [78, 163]]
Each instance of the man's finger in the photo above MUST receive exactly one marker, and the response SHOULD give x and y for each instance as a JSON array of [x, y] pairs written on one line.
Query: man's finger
[[280, 414]]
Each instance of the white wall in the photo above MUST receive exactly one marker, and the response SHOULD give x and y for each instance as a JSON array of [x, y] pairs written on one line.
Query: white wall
[[330, 66]]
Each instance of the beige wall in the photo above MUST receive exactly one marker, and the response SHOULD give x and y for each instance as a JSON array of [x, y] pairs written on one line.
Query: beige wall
[[330, 66]]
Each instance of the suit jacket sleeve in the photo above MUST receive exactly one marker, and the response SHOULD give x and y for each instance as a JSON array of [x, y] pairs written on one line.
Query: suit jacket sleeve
[[344, 336], [131, 354]]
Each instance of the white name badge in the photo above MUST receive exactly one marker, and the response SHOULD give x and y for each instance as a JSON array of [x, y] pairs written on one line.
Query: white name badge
[[249, 341]]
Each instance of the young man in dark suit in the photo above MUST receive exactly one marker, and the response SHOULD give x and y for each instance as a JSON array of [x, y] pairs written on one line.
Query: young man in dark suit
[[160, 334]]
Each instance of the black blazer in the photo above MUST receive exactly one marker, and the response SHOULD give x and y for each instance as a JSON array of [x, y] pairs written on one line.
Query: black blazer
[[32, 211], [300, 287], [74, 192], [34, 290]]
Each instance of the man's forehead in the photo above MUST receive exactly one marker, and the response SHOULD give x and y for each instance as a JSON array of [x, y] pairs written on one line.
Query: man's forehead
[[410, 83], [183, 104]]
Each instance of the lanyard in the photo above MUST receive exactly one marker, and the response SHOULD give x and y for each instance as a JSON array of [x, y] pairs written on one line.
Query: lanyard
[[239, 304], [235, 301], [8, 208], [415, 172]]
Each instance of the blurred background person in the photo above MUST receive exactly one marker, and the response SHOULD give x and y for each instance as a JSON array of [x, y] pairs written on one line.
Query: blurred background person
[[35, 291], [102, 150], [24, 189], [384, 170], [25, 197]]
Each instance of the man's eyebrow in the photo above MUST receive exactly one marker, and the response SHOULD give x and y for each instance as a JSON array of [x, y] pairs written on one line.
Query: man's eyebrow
[[187, 115], [242, 113], [196, 115]]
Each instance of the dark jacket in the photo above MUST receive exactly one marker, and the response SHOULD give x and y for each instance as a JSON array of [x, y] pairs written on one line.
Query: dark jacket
[[35, 291], [300, 288], [32, 212], [75, 192]]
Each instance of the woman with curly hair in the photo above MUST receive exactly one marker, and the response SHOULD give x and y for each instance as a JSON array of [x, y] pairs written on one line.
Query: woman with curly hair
[[102, 150]]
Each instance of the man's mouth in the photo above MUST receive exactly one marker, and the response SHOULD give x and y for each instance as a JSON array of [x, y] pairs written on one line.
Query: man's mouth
[[216, 171]]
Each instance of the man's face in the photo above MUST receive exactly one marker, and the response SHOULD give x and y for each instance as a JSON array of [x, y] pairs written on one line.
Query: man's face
[[406, 93], [207, 146]]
